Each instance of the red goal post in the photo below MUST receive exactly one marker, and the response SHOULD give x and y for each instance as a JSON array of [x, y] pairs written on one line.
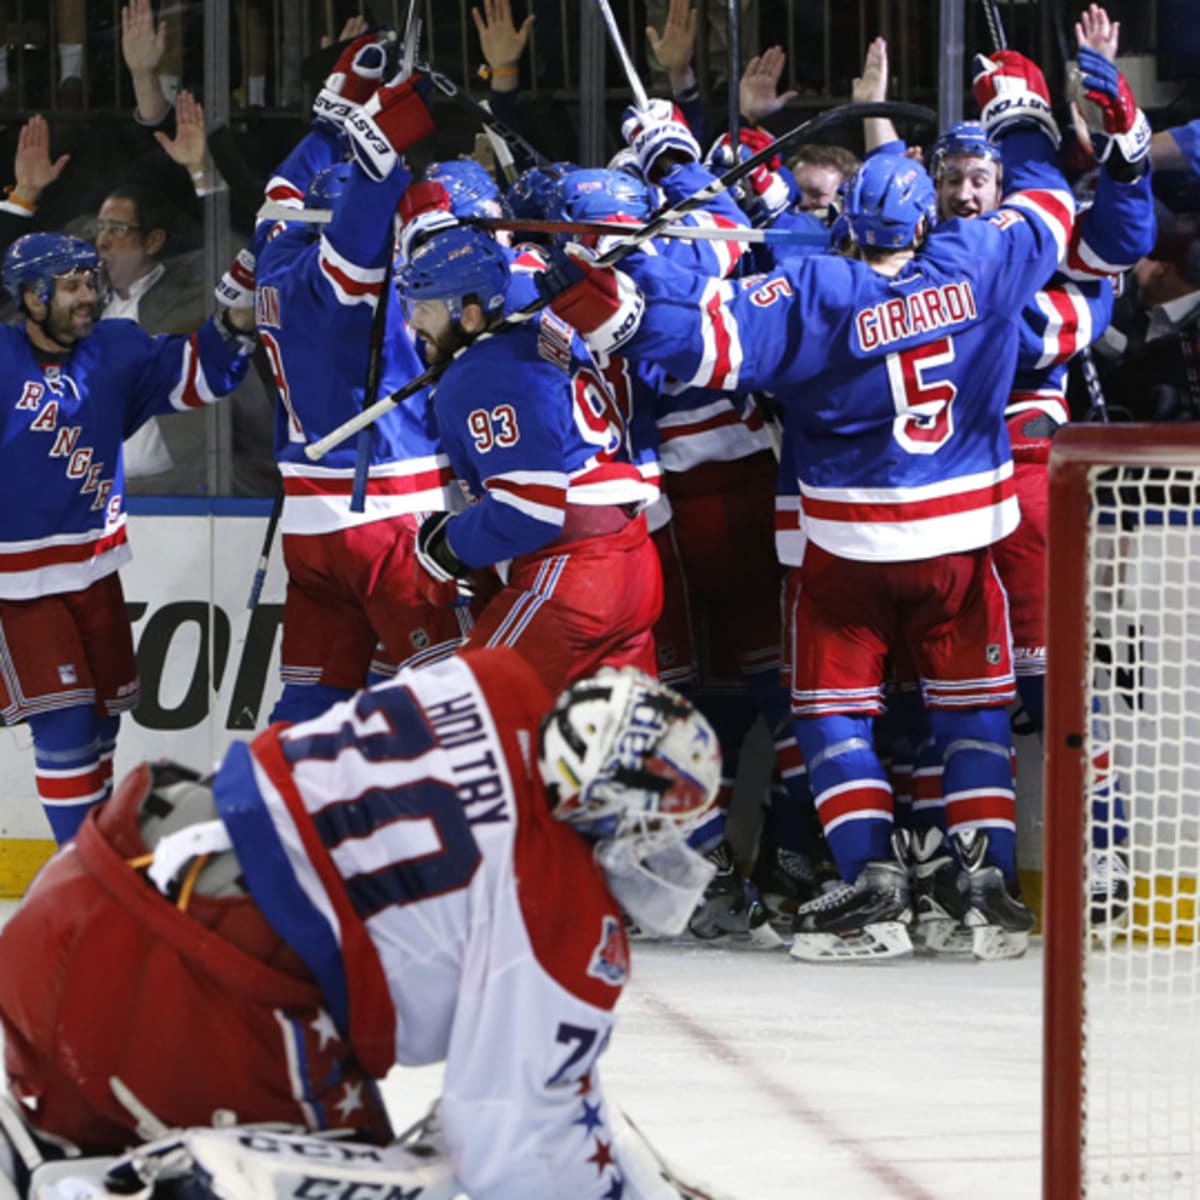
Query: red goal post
[[1121, 1062]]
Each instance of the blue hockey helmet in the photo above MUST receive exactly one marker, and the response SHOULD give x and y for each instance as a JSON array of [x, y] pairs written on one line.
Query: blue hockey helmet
[[883, 203], [528, 195], [473, 192], [963, 137], [455, 263], [595, 194], [36, 259], [328, 185]]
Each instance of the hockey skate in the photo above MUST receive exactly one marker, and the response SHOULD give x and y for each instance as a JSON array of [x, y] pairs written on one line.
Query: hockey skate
[[1109, 888], [941, 897], [999, 923], [788, 878], [860, 921], [731, 913]]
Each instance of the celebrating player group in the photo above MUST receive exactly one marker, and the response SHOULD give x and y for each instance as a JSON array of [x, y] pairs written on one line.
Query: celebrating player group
[[582, 476]]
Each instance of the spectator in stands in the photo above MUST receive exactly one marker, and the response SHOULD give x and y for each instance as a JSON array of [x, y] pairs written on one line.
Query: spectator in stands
[[1157, 338], [819, 172], [70, 23]]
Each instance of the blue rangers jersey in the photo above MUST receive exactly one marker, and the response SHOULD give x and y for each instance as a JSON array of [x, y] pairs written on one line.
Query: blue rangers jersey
[[1075, 306], [893, 387], [62, 475], [315, 297], [1187, 138], [530, 430]]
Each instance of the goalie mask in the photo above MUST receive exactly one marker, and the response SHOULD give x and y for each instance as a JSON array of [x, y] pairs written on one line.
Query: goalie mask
[[634, 767]]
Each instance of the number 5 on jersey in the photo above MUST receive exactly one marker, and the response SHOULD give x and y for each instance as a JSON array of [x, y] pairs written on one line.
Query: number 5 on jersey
[[924, 420]]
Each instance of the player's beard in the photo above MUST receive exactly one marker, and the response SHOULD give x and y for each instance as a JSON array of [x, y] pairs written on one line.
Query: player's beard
[[66, 326], [443, 347]]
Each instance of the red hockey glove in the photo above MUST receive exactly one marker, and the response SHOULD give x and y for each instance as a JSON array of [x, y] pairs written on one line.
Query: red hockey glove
[[355, 78], [393, 119], [659, 132], [602, 303], [235, 289], [424, 209], [441, 576], [1010, 90], [1111, 112]]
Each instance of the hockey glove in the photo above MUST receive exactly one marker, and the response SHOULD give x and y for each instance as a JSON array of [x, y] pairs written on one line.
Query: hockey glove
[[424, 209], [441, 574], [393, 119], [1112, 114], [602, 303], [1010, 90], [235, 289], [356, 76], [660, 138]]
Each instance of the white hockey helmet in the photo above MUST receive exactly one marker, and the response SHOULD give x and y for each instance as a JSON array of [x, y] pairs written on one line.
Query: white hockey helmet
[[633, 766], [619, 748]]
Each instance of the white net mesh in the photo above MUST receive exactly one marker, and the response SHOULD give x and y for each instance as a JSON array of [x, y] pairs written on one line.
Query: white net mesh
[[1142, 980]]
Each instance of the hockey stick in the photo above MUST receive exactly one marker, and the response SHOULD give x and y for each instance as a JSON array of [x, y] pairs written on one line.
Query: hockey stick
[[995, 25], [264, 557], [529, 154], [733, 17], [275, 211], [501, 151], [665, 218], [640, 100], [1098, 410]]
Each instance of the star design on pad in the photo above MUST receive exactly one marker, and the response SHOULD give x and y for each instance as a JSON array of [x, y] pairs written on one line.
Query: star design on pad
[[603, 1156], [351, 1100], [591, 1119], [616, 1191], [324, 1028]]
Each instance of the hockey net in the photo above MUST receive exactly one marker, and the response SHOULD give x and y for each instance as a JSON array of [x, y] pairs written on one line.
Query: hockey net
[[1121, 1087]]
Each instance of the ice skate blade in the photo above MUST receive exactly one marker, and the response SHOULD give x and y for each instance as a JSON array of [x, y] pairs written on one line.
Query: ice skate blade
[[942, 937], [763, 937], [990, 943], [872, 943]]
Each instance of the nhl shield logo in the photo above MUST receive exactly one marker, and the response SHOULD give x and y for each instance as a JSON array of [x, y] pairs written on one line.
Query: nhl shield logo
[[993, 654], [610, 959]]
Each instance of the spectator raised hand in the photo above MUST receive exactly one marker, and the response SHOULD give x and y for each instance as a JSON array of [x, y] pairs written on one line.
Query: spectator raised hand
[[675, 45], [32, 169], [501, 41], [758, 89], [143, 43], [872, 84], [354, 27], [189, 146]]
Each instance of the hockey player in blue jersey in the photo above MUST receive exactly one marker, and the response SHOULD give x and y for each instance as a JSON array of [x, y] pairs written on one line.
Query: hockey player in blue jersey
[[557, 501], [349, 572], [76, 388], [1059, 321], [891, 363]]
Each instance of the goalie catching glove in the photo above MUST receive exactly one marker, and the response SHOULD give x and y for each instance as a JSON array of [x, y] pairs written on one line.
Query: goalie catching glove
[[603, 304], [1112, 114], [1010, 90]]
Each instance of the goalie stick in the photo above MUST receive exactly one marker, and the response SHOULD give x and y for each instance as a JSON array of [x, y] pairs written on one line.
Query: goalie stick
[[666, 217]]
